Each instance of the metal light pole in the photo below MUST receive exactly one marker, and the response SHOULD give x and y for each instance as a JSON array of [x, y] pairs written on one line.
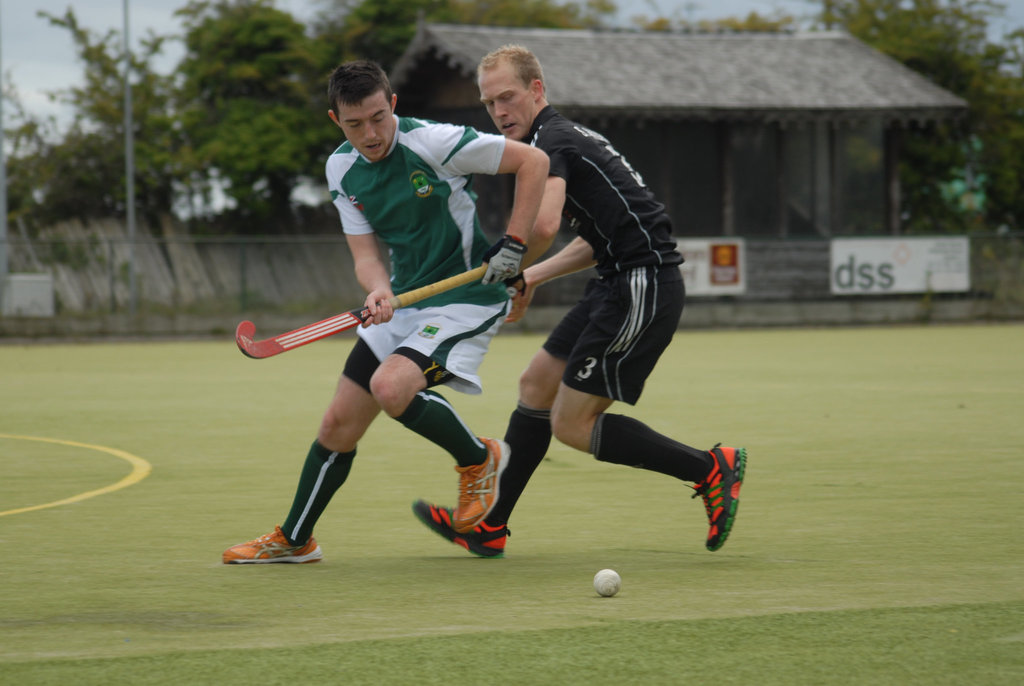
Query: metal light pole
[[129, 166], [3, 181]]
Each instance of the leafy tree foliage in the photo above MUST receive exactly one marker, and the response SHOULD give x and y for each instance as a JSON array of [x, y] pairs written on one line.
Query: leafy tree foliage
[[244, 112], [26, 140], [254, 128], [961, 175], [242, 117], [82, 173], [382, 29], [752, 23]]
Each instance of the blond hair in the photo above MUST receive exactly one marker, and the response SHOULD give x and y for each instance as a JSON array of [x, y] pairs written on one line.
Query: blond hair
[[524, 62]]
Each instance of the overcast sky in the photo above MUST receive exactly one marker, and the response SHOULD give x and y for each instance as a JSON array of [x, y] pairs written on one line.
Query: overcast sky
[[37, 57]]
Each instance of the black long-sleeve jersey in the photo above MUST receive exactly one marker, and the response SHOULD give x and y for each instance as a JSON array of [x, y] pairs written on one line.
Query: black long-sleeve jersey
[[607, 203]]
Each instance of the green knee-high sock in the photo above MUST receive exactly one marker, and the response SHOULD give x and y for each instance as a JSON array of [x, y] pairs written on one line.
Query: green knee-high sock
[[430, 415], [323, 473]]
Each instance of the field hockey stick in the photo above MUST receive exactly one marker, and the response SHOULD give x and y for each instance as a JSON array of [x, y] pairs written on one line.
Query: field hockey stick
[[309, 333]]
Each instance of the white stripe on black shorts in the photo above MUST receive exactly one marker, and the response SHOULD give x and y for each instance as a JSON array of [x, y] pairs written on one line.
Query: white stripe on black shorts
[[612, 338]]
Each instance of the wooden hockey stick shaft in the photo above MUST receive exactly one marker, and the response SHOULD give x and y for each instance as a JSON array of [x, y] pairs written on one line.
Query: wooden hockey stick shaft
[[268, 347]]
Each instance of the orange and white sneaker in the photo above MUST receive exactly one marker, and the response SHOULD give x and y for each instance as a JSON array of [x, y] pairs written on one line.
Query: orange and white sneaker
[[478, 486], [272, 547]]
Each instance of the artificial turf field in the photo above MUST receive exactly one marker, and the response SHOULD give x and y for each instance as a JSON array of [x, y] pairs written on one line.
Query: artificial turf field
[[879, 539]]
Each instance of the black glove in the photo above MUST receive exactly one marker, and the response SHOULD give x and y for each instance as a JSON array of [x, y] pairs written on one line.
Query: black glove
[[516, 285], [503, 259]]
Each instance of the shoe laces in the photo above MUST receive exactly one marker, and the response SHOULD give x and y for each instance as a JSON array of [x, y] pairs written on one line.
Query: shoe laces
[[475, 485], [269, 538], [701, 490], [702, 487]]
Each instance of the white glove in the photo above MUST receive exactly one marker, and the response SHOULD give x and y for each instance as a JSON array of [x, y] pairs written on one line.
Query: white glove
[[503, 259]]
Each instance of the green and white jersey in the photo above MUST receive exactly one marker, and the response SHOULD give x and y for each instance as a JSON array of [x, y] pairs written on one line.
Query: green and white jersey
[[419, 202]]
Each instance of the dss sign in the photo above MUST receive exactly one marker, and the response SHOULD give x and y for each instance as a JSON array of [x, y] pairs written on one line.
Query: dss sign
[[875, 266]]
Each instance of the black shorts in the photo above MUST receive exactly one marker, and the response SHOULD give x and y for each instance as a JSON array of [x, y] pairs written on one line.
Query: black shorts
[[612, 338], [362, 363]]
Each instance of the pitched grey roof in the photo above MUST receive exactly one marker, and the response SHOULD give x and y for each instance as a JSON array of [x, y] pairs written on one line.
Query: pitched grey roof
[[658, 74]]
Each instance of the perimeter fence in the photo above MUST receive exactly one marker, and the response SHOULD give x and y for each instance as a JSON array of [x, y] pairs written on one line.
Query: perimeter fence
[[88, 274]]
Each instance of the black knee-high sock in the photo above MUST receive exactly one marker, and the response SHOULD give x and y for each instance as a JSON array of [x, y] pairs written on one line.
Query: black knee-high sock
[[528, 435], [623, 440], [323, 473]]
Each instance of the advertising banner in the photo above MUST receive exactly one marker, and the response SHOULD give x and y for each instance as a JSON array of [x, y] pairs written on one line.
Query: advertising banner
[[714, 266], [876, 266]]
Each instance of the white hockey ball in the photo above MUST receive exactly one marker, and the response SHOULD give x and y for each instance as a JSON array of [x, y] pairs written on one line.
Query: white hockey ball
[[607, 582]]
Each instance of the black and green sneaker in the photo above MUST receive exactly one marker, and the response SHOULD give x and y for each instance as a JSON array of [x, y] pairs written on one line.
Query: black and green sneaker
[[720, 490], [483, 540]]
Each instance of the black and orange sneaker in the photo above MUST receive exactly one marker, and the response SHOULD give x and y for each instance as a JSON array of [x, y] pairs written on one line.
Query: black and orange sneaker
[[483, 540], [720, 490]]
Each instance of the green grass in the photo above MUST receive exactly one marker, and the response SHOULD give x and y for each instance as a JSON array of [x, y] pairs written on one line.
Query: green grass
[[879, 539]]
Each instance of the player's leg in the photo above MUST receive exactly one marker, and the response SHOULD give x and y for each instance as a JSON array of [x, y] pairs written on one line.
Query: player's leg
[[529, 431], [327, 465], [400, 386], [612, 360], [529, 426], [580, 421], [325, 469], [528, 435], [445, 346], [633, 318]]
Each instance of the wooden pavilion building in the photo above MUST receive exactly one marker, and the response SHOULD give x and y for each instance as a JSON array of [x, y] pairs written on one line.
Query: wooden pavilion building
[[753, 135]]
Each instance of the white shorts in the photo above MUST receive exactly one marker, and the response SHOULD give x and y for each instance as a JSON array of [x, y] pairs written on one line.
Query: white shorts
[[455, 335]]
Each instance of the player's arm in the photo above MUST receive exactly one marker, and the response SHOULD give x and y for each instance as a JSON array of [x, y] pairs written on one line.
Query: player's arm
[[549, 220], [530, 166], [572, 258], [372, 274], [577, 255]]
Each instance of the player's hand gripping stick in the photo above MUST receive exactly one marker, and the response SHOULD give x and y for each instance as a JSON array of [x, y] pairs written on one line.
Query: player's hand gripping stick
[[503, 259]]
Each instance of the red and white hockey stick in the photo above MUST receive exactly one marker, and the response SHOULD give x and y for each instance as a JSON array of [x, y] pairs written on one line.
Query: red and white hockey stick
[[269, 347]]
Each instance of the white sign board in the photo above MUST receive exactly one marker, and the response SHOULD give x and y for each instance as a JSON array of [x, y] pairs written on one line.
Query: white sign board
[[875, 266], [714, 266], [27, 295]]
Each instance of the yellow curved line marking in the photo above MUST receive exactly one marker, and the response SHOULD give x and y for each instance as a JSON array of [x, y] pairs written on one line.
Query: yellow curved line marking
[[140, 470]]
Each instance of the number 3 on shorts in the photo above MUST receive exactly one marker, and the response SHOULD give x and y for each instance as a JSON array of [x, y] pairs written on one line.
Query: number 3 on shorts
[[587, 370]]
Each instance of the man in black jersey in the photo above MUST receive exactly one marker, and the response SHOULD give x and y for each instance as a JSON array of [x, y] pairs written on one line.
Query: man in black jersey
[[606, 346]]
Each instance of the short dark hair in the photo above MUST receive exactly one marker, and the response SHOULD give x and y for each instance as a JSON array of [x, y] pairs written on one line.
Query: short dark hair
[[352, 82]]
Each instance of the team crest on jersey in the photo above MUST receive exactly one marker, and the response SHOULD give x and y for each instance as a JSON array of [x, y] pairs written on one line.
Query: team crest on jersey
[[430, 330], [355, 203], [421, 182]]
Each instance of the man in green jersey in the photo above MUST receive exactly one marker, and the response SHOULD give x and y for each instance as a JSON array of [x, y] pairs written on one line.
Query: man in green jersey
[[404, 182]]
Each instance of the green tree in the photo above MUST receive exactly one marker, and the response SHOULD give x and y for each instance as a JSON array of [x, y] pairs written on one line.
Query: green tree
[[26, 139], [80, 172], [382, 29], [981, 157], [249, 103], [752, 23]]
